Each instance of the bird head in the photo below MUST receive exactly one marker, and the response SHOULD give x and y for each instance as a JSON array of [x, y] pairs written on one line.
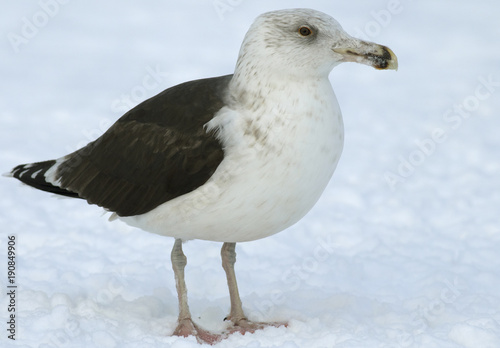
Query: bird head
[[305, 42]]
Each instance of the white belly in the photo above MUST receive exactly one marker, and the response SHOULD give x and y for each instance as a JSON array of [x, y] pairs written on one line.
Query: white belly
[[276, 165]]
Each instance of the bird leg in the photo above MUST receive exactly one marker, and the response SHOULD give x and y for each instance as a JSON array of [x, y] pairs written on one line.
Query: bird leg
[[228, 256], [236, 315], [185, 325]]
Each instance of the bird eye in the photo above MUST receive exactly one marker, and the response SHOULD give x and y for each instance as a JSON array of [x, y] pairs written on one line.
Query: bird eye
[[305, 31]]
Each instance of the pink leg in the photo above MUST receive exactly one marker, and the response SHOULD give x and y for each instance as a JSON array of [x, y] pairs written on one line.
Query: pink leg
[[185, 326], [237, 316]]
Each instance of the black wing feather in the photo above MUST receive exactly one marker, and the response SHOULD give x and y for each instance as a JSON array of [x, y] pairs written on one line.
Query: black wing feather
[[155, 152], [34, 175]]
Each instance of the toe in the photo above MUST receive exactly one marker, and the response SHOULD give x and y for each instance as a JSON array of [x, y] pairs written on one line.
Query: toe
[[244, 325], [186, 328]]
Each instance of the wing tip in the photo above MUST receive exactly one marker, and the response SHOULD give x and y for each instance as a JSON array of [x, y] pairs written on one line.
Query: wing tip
[[37, 175]]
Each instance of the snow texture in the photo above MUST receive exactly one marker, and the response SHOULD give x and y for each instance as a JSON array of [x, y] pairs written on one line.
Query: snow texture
[[401, 251]]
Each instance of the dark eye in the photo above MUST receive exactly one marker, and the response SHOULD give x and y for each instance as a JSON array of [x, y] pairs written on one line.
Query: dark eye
[[305, 31]]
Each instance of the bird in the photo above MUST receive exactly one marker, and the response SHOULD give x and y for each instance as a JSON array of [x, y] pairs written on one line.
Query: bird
[[230, 159]]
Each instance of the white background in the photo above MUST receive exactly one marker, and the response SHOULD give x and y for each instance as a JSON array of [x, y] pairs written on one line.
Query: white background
[[401, 251]]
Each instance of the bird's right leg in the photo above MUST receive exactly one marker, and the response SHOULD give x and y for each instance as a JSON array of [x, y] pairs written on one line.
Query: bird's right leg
[[185, 325]]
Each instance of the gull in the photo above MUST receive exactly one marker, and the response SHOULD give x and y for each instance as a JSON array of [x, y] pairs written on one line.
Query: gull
[[230, 159]]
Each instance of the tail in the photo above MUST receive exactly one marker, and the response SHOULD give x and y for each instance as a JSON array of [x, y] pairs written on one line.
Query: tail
[[37, 175]]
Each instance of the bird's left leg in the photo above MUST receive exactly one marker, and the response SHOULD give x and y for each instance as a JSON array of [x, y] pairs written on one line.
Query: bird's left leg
[[228, 255], [236, 315]]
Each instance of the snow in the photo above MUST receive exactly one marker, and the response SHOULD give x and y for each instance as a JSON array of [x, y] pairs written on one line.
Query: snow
[[401, 250]]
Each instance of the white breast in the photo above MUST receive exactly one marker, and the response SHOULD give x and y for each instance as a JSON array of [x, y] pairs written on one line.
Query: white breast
[[278, 160]]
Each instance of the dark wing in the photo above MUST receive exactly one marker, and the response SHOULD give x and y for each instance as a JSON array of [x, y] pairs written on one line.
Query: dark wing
[[155, 152], [33, 174]]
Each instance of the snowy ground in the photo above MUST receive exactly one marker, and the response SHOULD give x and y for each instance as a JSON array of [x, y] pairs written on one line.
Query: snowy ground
[[401, 251]]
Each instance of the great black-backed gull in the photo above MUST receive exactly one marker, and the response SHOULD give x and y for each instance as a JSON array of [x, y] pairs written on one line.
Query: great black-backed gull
[[230, 159]]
